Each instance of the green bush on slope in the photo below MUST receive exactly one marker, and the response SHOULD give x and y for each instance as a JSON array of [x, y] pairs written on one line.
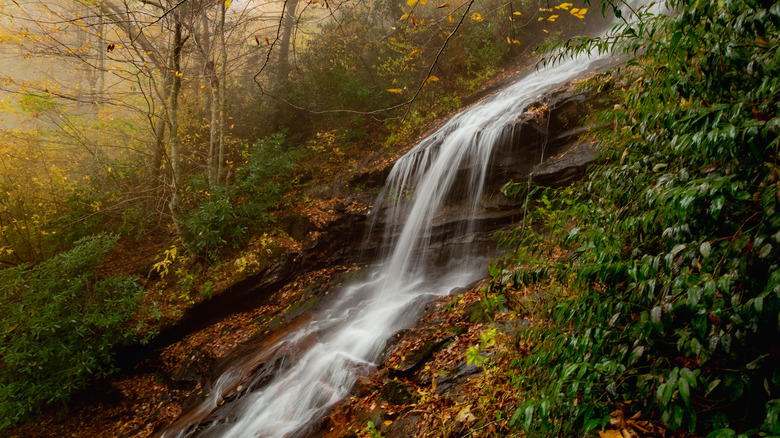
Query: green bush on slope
[[222, 215], [675, 254], [59, 326]]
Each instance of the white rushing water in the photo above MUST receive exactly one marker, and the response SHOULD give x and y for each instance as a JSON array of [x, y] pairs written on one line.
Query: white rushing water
[[350, 333]]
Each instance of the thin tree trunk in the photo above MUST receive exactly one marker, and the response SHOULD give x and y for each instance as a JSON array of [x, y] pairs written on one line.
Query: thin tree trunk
[[158, 154], [173, 115], [288, 22], [283, 66], [205, 43], [221, 98], [213, 159]]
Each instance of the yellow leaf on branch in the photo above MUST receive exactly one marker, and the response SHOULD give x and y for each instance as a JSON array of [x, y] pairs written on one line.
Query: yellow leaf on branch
[[476, 16], [395, 90]]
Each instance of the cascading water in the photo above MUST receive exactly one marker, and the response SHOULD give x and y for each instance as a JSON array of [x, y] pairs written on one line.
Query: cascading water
[[343, 339]]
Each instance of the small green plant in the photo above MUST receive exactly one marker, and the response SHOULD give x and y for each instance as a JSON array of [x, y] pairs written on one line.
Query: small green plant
[[486, 339], [451, 305], [169, 256], [370, 431], [207, 289], [186, 282]]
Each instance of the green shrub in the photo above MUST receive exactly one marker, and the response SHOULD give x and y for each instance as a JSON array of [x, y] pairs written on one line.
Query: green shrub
[[674, 256], [60, 326], [212, 224], [220, 215]]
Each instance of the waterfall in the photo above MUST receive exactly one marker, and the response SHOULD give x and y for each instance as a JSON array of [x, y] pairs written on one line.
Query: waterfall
[[344, 338]]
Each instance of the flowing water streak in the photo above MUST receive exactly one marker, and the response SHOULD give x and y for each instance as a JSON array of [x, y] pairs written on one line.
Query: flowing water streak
[[351, 333]]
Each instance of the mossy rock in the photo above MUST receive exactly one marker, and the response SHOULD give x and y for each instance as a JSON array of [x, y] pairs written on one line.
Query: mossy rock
[[476, 313], [396, 392]]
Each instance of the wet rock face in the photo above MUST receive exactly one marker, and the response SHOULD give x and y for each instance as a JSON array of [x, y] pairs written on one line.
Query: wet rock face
[[564, 169], [546, 131]]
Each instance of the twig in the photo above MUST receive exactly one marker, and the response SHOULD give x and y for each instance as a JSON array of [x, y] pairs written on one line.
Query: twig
[[733, 238]]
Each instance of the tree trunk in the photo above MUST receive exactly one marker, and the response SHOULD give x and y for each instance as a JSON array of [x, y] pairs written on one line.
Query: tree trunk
[[288, 22], [283, 65], [213, 159], [221, 100], [173, 116]]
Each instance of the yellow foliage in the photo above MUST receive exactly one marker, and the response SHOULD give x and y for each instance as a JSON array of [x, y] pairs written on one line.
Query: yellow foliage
[[476, 16]]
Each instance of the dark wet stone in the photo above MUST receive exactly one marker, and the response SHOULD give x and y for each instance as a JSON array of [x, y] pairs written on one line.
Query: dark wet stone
[[194, 370], [456, 377], [397, 392], [562, 170]]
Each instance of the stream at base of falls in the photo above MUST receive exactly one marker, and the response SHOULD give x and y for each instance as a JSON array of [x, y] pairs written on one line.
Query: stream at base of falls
[[315, 365]]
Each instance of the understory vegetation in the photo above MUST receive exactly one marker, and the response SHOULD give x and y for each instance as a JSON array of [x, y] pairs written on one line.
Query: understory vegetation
[[60, 326], [666, 259]]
